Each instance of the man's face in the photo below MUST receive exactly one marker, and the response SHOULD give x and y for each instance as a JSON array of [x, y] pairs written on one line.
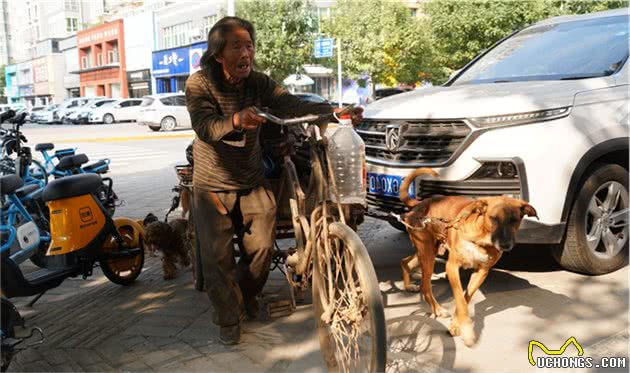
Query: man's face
[[237, 57]]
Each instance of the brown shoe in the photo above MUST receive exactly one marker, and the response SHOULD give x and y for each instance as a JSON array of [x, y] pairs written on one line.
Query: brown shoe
[[252, 309], [230, 335]]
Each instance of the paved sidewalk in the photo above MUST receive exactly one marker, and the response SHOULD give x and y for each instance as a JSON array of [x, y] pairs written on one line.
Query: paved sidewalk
[[156, 325]]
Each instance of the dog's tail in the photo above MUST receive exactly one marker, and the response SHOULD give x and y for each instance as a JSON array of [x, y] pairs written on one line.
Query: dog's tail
[[404, 188]]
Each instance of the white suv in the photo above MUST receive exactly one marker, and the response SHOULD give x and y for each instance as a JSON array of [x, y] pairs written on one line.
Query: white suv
[[164, 111], [542, 116]]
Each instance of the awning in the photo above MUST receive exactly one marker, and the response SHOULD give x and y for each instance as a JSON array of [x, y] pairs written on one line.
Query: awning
[[298, 79]]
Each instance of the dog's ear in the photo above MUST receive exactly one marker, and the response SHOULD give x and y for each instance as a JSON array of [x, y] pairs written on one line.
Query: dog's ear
[[529, 210]]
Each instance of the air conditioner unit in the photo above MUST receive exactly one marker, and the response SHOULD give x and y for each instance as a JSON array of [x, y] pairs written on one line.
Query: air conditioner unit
[[197, 33]]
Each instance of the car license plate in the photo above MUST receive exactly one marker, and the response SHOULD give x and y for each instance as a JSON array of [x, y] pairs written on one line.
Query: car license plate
[[387, 185]]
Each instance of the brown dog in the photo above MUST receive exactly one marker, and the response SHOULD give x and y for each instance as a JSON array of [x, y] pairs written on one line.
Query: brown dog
[[171, 239], [476, 233]]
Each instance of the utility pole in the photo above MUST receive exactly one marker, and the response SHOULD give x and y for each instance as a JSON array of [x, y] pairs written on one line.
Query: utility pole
[[231, 8]]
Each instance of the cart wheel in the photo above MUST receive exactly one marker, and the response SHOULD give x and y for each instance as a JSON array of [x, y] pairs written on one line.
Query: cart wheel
[[123, 271], [348, 304]]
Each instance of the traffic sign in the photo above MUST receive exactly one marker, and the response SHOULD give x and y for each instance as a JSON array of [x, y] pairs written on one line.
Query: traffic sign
[[324, 47]]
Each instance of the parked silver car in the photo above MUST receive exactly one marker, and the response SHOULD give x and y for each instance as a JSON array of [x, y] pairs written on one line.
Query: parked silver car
[[164, 111]]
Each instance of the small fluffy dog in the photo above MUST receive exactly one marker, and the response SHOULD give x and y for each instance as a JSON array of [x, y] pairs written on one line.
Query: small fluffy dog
[[476, 233], [171, 239]]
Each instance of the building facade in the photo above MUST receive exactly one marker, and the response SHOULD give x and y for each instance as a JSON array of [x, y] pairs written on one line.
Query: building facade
[[70, 53], [102, 69], [171, 67], [11, 88], [181, 31], [48, 72], [138, 48]]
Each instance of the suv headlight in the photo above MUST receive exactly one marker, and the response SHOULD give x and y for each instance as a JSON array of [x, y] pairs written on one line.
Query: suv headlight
[[521, 118]]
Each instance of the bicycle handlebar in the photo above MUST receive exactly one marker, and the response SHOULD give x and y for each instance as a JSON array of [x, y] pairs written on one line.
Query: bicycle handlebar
[[299, 120]]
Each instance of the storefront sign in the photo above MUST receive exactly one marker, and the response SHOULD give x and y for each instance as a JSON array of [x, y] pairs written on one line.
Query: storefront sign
[[195, 52], [139, 76], [26, 90], [171, 62], [94, 37]]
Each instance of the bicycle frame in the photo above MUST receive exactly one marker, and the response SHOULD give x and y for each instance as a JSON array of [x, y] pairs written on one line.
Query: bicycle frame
[[9, 219], [50, 166]]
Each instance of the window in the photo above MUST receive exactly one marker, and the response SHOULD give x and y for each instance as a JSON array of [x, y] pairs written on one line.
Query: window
[[72, 25], [101, 103], [85, 62], [72, 5], [112, 56], [208, 23], [147, 101], [125, 104], [590, 48], [176, 35], [99, 59]]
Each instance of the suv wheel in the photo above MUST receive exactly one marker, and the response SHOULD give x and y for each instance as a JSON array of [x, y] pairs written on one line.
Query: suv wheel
[[108, 119], [597, 233]]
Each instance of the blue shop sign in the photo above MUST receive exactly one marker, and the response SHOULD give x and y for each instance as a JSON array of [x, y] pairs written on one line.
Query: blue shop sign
[[174, 61]]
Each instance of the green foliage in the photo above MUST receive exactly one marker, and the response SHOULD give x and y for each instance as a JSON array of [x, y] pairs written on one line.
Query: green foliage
[[284, 34], [380, 38], [3, 82]]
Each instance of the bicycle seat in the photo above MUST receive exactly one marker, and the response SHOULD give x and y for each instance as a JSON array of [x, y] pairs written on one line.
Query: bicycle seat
[[26, 190], [68, 163], [99, 167], [9, 184], [44, 146], [63, 153], [71, 186]]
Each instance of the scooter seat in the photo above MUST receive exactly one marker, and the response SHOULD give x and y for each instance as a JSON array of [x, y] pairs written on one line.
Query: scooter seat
[[44, 146], [99, 167], [9, 184], [71, 186], [71, 162], [26, 190]]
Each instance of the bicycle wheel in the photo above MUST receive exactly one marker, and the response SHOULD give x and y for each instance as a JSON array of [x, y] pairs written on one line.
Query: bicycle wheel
[[38, 171], [348, 304]]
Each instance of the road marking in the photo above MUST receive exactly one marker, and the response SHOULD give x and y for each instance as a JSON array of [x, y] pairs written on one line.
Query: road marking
[[121, 139]]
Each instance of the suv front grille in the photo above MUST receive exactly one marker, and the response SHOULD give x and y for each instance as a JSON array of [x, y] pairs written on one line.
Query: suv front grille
[[412, 143]]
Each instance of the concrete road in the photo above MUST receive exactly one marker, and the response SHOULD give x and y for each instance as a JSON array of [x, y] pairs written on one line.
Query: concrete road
[[157, 326]]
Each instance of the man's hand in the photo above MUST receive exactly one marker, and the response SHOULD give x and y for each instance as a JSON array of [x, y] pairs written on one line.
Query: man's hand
[[356, 114], [247, 119]]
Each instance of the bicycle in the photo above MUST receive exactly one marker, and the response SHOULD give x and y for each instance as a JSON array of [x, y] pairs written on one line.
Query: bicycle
[[329, 253]]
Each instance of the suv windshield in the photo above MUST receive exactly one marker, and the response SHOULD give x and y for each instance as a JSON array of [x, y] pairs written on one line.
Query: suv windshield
[[561, 51]]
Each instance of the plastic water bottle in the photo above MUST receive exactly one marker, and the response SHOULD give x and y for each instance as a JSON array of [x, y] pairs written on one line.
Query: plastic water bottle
[[346, 152]]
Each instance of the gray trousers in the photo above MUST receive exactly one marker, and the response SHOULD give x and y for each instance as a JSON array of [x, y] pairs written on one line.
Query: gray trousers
[[218, 216]]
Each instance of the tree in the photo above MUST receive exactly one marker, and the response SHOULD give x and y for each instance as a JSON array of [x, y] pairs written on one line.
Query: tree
[[284, 34], [3, 82], [380, 38]]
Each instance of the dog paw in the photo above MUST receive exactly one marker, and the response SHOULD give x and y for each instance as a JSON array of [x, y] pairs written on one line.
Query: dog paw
[[412, 288], [453, 329], [440, 313], [468, 335]]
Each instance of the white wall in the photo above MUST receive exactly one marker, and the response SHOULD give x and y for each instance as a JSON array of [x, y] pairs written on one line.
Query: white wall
[[138, 40]]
